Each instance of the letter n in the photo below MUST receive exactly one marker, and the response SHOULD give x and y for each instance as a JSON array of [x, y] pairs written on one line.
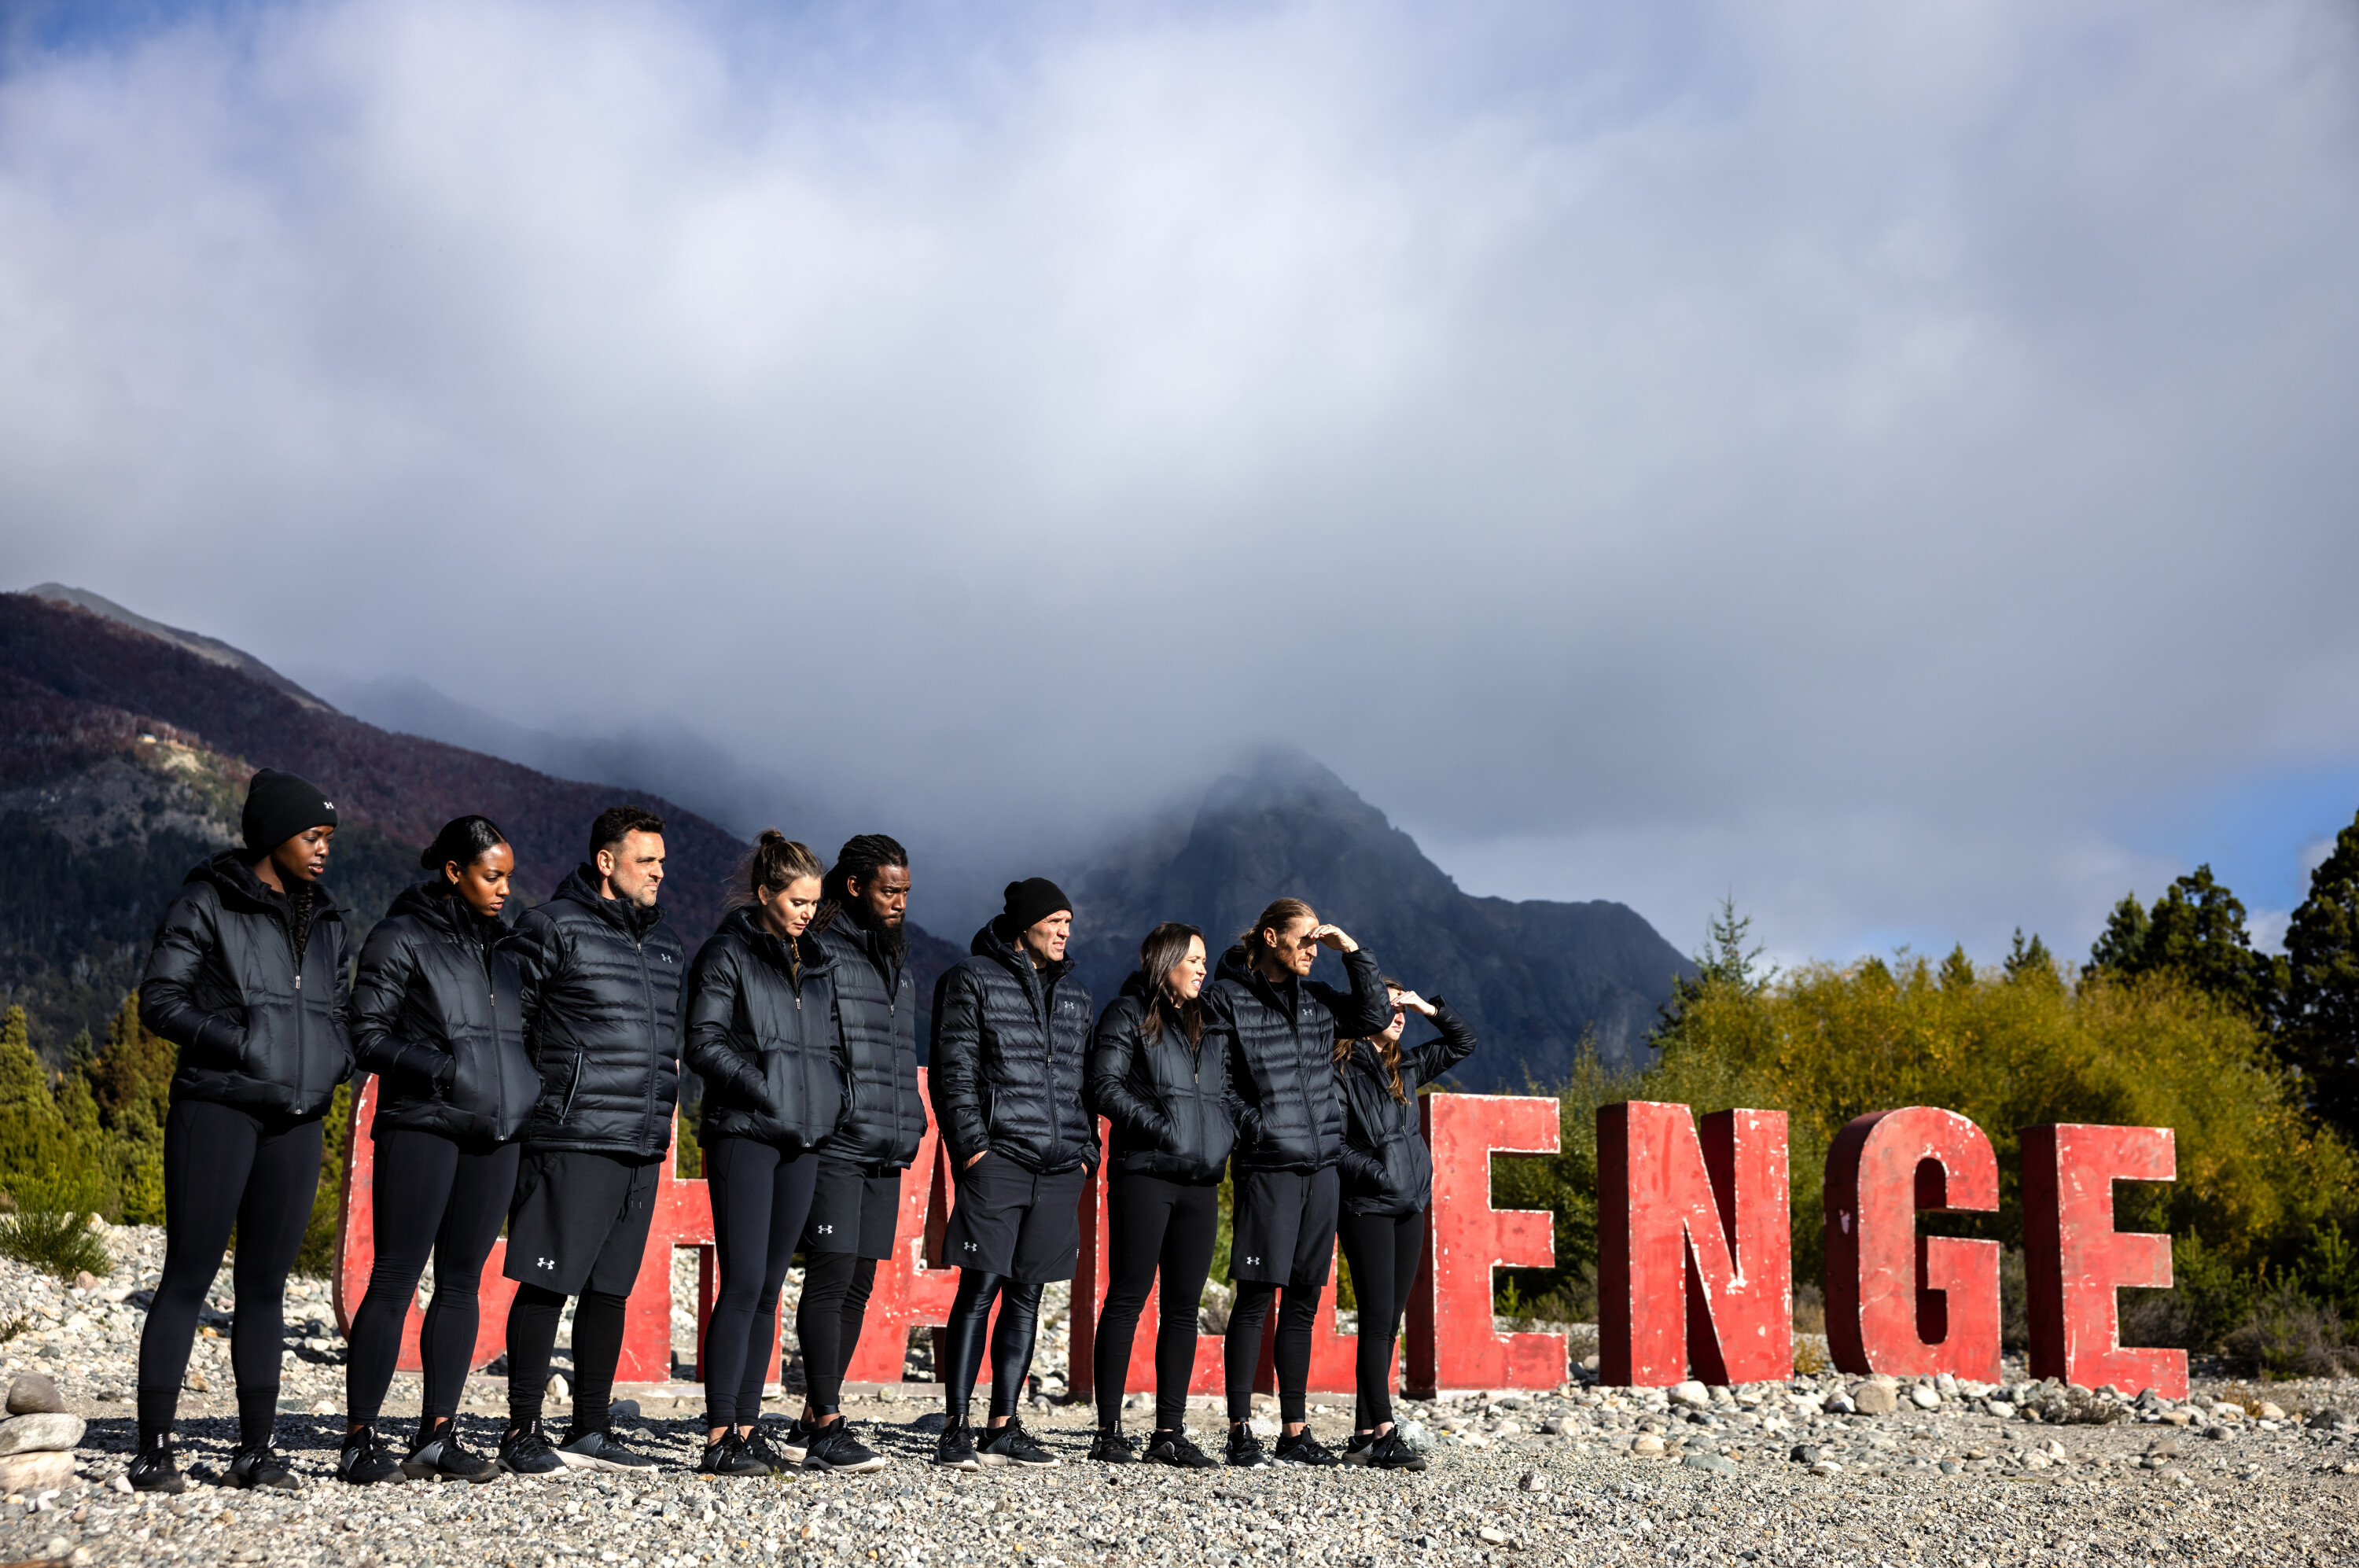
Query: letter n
[[1694, 1254]]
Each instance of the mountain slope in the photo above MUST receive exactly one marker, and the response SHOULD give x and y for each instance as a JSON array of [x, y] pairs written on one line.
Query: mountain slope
[[124, 757], [1531, 976]]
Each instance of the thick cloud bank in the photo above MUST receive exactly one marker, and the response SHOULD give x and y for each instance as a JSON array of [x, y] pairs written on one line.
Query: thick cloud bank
[[1862, 455]]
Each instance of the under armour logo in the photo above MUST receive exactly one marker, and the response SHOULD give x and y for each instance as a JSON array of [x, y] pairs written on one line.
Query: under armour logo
[[1252, 1262], [824, 1230], [968, 1245], [546, 1262]]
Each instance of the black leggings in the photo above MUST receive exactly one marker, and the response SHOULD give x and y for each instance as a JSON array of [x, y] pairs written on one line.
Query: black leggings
[[430, 1197], [224, 1167], [1011, 1341], [1383, 1250], [828, 1320], [533, 1322], [1241, 1351], [760, 1198], [1154, 1224]]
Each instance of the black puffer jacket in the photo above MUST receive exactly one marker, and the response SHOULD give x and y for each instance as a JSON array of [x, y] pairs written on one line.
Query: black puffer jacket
[[604, 977], [877, 1004], [1173, 1108], [1386, 1168], [1010, 1058], [250, 985], [764, 1037], [437, 1013], [1286, 1036]]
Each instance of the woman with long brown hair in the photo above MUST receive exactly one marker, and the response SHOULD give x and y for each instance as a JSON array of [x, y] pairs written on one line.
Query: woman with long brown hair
[[1159, 1073], [1387, 1180], [1290, 1136], [760, 1027]]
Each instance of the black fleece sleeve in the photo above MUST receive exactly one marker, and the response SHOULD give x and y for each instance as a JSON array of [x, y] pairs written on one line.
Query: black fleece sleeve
[[956, 1059], [1114, 1051], [708, 1007], [388, 966], [185, 942], [1452, 1045]]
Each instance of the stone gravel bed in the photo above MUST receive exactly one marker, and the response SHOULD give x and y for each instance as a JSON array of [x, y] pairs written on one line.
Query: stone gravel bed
[[1785, 1474]]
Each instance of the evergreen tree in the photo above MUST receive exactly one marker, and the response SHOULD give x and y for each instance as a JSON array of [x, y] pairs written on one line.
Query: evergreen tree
[[24, 1081], [2321, 1006], [1958, 971], [2196, 932], [2030, 960]]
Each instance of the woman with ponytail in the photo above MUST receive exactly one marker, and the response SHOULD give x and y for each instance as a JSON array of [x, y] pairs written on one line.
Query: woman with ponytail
[[761, 1029], [1161, 1076], [1388, 1174], [439, 1015]]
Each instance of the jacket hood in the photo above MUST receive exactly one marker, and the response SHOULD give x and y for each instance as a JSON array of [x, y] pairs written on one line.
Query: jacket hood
[[744, 923], [580, 886], [232, 872], [436, 902], [1234, 966], [1134, 986], [989, 943]]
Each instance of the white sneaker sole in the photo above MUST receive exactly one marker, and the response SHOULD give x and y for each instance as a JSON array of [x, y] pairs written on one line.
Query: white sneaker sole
[[583, 1462], [824, 1468]]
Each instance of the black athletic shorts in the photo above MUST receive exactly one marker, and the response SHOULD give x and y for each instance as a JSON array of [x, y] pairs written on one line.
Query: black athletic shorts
[[853, 1209], [579, 1220], [1013, 1222], [1284, 1227]]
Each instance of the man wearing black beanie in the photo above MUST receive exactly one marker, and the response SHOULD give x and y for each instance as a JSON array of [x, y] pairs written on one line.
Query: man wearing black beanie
[[1010, 1016]]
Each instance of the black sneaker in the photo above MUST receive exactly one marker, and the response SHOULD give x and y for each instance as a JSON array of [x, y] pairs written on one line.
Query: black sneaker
[[1304, 1449], [599, 1450], [1394, 1453], [832, 1447], [1361, 1449], [525, 1450], [1174, 1449], [1011, 1444], [795, 1443], [362, 1463], [955, 1450], [758, 1449], [1111, 1447], [1244, 1449], [152, 1470], [251, 1467], [443, 1458], [728, 1457]]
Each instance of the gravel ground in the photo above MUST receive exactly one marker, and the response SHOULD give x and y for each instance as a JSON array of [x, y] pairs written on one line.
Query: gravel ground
[[1774, 1474]]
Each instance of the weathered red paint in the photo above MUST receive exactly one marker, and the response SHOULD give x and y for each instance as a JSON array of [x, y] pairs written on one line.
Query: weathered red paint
[[2075, 1261], [1452, 1344], [1898, 1303], [1089, 1306], [1693, 1247]]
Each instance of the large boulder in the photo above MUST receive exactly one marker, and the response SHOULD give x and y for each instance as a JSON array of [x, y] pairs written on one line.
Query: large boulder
[[32, 1393], [36, 1472], [44, 1433]]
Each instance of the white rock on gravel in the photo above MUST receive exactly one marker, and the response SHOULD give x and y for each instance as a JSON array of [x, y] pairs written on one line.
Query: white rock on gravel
[[45, 1433]]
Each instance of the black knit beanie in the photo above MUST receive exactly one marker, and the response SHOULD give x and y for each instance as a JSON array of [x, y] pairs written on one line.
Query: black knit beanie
[[1032, 901], [278, 806]]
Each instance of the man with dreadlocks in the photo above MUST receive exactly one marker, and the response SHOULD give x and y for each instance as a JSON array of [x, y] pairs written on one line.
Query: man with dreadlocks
[[856, 1192]]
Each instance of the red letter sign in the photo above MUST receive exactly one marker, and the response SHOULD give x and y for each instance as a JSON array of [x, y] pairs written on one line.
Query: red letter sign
[[1450, 1341], [2076, 1260], [1898, 1303], [1693, 1239]]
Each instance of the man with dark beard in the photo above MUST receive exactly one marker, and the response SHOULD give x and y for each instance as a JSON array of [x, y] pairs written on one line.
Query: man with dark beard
[[603, 974], [856, 1194]]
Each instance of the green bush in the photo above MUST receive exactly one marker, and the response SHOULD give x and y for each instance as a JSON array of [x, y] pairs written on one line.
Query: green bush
[[57, 1242]]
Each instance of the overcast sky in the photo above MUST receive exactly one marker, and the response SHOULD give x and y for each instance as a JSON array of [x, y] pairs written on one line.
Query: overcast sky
[[1897, 463]]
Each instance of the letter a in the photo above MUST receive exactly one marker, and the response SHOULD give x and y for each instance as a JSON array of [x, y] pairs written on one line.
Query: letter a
[[1692, 1247]]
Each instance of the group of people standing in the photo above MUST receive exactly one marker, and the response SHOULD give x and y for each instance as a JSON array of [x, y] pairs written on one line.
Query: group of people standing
[[529, 1074]]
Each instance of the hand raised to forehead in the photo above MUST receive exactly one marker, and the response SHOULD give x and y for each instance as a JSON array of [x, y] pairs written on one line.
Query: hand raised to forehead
[[1412, 1002], [1335, 937]]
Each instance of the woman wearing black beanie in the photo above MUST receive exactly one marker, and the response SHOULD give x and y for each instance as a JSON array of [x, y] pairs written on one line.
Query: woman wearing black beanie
[[247, 978], [437, 1014]]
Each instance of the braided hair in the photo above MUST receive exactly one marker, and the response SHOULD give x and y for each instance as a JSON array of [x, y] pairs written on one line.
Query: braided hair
[[860, 859]]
